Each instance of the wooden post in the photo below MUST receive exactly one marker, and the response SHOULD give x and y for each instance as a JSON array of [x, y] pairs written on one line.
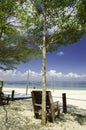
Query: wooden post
[[12, 96], [64, 103]]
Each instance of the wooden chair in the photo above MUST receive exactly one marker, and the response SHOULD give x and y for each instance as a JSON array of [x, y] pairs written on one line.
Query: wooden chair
[[52, 108], [3, 99]]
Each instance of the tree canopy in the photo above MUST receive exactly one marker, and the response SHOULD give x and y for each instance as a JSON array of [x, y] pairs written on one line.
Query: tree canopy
[[65, 21], [21, 27], [14, 46]]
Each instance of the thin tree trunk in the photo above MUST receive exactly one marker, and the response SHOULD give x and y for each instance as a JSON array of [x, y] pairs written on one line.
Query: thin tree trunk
[[44, 87], [44, 72]]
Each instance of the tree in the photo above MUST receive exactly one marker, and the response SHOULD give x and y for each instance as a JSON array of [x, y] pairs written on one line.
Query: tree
[[14, 46], [51, 24]]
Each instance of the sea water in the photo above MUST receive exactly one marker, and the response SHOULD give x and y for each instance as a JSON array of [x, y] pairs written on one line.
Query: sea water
[[69, 85]]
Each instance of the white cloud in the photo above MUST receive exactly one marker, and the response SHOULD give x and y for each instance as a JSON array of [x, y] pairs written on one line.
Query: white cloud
[[72, 75], [61, 53], [51, 73], [59, 76], [14, 75]]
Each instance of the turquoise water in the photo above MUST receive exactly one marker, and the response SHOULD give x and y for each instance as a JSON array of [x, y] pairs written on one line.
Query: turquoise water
[[73, 85]]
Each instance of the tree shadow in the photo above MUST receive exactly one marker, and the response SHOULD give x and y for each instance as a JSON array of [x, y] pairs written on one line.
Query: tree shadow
[[73, 114], [80, 119]]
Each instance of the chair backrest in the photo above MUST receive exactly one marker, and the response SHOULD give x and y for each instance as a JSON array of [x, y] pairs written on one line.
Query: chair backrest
[[0, 89], [37, 97], [1, 85]]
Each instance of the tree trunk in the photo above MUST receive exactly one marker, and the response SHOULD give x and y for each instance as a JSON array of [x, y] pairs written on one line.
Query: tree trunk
[[44, 72], [44, 87]]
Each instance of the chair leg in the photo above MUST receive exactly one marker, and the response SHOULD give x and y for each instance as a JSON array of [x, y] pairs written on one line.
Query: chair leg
[[58, 112], [8, 100]]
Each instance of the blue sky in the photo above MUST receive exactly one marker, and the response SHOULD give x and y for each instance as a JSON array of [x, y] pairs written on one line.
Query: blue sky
[[67, 59], [65, 64]]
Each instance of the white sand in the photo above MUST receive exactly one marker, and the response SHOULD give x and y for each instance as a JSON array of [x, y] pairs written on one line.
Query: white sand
[[20, 114], [74, 97]]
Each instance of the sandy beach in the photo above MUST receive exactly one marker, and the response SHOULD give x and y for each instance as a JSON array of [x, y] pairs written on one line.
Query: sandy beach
[[18, 115]]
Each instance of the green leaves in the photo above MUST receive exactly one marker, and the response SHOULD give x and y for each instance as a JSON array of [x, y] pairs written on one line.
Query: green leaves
[[81, 13], [22, 22], [14, 46], [63, 26]]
